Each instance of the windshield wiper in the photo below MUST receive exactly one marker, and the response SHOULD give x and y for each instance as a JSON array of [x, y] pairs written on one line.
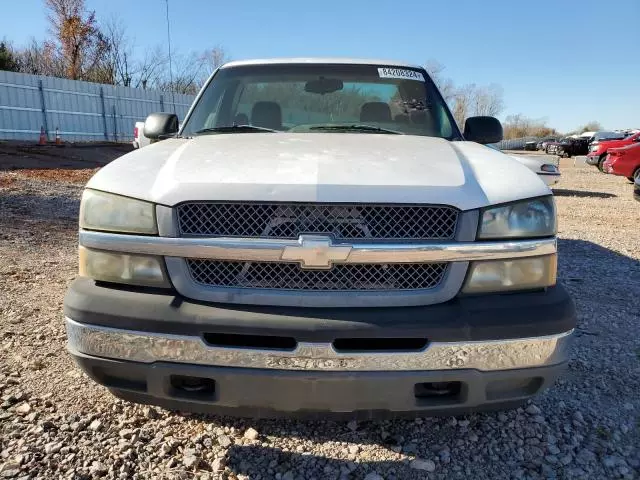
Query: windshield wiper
[[354, 128], [234, 129]]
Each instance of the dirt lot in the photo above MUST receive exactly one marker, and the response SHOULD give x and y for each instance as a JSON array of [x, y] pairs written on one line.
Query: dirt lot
[[55, 423]]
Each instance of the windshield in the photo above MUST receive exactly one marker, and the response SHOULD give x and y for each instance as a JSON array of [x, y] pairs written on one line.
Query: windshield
[[322, 98], [608, 136]]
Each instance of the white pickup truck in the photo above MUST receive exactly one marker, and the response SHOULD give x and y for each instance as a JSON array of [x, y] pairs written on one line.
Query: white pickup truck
[[548, 172], [139, 139], [317, 237]]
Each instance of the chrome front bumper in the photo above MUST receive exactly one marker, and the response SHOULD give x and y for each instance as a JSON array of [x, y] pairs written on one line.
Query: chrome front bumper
[[143, 347]]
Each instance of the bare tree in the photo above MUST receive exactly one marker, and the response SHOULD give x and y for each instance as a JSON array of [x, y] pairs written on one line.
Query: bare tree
[[463, 103], [119, 54], [79, 41], [444, 84], [39, 58], [187, 75], [519, 126], [592, 126], [191, 71], [122, 64], [469, 99], [211, 60], [151, 68], [215, 58], [516, 126], [488, 100], [81, 49]]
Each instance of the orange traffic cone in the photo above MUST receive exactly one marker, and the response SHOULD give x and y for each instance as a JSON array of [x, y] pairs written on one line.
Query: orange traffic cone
[[43, 137], [58, 140]]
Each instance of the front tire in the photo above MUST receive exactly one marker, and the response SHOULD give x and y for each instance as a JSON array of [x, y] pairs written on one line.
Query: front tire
[[636, 176], [601, 160]]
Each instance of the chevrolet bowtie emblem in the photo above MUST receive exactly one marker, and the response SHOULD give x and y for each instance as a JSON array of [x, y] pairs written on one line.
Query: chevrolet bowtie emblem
[[316, 251]]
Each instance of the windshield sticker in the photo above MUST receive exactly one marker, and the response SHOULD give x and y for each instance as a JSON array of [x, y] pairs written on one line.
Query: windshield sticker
[[400, 73]]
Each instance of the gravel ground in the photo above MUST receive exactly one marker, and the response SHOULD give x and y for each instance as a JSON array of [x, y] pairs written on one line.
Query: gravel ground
[[55, 423]]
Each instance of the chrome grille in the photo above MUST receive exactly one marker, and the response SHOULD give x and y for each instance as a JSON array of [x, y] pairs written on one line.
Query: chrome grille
[[289, 276], [342, 221]]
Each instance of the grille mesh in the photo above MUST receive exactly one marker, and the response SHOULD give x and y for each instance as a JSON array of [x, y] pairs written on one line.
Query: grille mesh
[[289, 276], [345, 222]]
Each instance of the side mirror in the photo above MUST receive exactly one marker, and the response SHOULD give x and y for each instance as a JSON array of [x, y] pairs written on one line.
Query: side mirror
[[160, 125], [483, 130]]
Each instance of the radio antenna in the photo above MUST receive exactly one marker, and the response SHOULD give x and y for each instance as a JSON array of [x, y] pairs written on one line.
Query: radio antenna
[[172, 86]]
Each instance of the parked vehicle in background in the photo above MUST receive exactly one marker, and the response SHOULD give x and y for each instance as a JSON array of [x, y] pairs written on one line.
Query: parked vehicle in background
[[587, 135], [139, 140], [550, 147], [601, 136], [569, 147], [531, 145], [544, 143], [624, 161], [283, 253], [598, 150]]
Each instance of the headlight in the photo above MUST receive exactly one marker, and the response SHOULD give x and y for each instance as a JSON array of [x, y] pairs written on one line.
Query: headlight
[[115, 267], [526, 219], [505, 275], [594, 148], [114, 213]]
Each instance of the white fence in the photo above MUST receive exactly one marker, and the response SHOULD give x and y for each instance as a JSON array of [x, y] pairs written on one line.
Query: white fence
[[82, 111]]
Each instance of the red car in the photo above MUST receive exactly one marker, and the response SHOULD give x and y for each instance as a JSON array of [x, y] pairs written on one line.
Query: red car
[[598, 150], [624, 161]]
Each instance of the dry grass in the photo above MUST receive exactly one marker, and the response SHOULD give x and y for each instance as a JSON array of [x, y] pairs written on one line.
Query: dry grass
[[79, 176]]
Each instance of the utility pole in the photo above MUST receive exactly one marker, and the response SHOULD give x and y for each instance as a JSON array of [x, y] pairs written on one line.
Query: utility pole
[[173, 95]]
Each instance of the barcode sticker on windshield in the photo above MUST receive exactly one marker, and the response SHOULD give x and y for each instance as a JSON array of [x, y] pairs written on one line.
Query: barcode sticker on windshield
[[400, 73]]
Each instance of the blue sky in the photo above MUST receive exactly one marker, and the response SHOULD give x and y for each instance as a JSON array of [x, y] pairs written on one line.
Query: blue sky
[[570, 61]]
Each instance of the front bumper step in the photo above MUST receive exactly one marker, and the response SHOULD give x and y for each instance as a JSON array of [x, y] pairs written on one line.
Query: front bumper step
[[271, 393]]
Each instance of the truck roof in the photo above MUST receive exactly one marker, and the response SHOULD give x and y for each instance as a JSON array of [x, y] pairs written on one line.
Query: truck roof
[[319, 60]]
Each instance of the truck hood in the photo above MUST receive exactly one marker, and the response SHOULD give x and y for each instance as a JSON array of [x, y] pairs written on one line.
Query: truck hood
[[319, 167], [607, 144]]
